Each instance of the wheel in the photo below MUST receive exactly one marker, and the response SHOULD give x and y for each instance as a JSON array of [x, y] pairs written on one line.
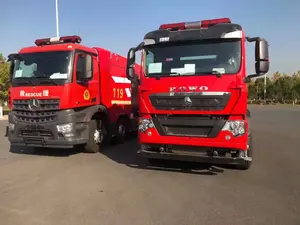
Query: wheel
[[122, 131], [97, 133]]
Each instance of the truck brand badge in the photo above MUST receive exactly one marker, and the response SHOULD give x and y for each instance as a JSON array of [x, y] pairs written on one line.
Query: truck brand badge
[[163, 39], [187, 100], [44, 93], [189, 88], [86, 95], [34, 104]]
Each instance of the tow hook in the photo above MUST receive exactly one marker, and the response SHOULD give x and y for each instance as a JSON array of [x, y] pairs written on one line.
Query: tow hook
[[215, 153], [162, 149]]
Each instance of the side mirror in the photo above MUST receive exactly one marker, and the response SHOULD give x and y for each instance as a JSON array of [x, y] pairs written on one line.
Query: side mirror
[[84, 68], [11, 59], [11, 68], [130, 73], [261, 57]]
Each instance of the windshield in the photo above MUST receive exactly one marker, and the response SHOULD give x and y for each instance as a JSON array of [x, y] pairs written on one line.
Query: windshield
[[51, 65], [205, 57]]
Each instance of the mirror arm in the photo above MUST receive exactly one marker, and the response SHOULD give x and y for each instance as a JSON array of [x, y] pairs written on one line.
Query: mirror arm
[[253, 39], [255, 75], [249, 77], [139, 47]]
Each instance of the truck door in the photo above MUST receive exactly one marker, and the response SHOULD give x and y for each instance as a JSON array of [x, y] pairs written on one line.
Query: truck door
[[86, 80]]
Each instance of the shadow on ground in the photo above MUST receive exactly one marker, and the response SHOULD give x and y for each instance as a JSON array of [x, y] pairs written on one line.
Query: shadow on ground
[[127, 154], [52, 152]]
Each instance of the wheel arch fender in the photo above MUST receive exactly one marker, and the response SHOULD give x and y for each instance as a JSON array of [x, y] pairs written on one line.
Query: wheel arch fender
[[123, 116], [96, 112]]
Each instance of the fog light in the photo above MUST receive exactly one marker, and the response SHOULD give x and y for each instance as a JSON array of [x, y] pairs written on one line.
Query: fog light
[[65, 128]]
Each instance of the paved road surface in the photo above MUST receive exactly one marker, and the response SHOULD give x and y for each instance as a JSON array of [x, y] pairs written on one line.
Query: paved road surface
[[109, 188]]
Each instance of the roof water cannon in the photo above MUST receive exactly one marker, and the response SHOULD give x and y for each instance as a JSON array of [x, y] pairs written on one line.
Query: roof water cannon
[[58, 40]]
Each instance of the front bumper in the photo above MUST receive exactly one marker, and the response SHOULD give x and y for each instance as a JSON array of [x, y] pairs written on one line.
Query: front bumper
[[223, 140], [219, 160], [46, 134], [199, 139]]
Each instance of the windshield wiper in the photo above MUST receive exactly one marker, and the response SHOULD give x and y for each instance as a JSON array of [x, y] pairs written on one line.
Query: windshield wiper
[[158, 75], [218, 73], [46, 79], [163, 74], [26, 79]]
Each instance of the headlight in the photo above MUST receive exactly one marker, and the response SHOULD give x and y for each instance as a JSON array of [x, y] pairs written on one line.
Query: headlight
[[145, 124], [65, 128], [236, 127]]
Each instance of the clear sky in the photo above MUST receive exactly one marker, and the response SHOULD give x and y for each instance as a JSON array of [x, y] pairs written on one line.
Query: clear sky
[[119, 25]]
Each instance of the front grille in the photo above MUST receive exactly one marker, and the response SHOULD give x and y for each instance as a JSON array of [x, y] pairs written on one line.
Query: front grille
[[38, 132], [189, 101], [189, 125], [47, 112]]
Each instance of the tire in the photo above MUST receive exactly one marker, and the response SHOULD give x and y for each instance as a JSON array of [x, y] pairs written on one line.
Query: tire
[[93, 146], [122, 131]]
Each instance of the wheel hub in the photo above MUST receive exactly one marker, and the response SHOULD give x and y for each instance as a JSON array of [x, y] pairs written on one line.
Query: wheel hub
[[98, 136], [121, 130]]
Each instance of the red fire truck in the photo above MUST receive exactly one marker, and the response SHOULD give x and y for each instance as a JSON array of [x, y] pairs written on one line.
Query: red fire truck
[[64, 94], [192, 92]]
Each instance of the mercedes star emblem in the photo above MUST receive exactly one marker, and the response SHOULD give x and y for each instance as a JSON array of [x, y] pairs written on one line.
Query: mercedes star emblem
[[34, 104]]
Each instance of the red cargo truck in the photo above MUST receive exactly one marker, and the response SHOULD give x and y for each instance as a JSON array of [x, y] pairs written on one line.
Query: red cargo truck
[[193, 92], [64, 94]]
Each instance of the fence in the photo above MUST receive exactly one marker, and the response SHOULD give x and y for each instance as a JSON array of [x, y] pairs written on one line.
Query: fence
[[273, 102]]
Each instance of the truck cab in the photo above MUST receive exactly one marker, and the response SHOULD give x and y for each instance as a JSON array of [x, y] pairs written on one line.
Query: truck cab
[[193, 92]]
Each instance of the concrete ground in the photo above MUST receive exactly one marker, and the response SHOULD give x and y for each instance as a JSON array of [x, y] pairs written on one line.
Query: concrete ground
[[116, 187]]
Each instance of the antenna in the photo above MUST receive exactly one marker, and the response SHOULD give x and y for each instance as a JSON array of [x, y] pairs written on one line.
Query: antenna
[[57, 25]]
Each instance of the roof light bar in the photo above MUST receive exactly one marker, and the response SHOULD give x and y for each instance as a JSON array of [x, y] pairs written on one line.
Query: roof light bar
[[58, 40], [193, 25], [171, 26]]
